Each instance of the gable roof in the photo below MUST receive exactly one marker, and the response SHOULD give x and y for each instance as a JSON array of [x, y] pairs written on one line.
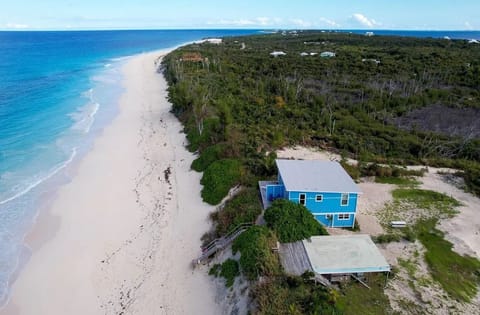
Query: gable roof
[[315, 176]]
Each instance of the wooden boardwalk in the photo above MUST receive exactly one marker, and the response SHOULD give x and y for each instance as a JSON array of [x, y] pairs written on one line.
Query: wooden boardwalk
[[294, 259]]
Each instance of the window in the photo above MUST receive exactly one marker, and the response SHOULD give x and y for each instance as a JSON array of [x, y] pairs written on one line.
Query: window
[[319, 198], [302, 199], [344, 216], [344, 201]]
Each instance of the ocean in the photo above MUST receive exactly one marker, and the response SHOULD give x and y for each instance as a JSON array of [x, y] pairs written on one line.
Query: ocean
[[57, 92]]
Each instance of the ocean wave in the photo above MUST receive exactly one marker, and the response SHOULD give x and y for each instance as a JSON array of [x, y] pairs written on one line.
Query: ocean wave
[[85, 117], [37, 181]]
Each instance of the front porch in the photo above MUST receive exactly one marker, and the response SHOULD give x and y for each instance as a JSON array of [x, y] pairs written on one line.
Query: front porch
[[270, 190]]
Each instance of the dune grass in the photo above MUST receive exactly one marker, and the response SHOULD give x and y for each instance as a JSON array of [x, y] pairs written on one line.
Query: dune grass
[[427, 199], [400, 181], [458, 275], [356, 299]]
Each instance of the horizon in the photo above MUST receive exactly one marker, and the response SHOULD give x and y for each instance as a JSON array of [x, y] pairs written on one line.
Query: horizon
[[239, 29], [409, 15]]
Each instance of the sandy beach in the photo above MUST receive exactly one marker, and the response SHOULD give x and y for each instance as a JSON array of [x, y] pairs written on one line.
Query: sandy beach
[[119, 238]]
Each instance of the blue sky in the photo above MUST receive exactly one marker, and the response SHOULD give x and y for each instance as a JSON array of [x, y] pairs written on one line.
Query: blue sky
[[154, 14]]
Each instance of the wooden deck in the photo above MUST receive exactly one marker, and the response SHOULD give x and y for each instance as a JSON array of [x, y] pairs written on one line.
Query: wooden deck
[[294, 259]]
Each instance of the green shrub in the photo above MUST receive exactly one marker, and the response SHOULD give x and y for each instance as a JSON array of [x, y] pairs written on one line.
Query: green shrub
[[207, 157], [257, 258], [292, 222], [230, 271], [211, 134], [218, 178], [245, 207], [292, 296], [352, 170]]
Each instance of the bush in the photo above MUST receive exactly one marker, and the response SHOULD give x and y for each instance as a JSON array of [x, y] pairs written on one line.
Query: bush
[[243, 208], [293, 295], [228, 269], [352, 170], [292, 222], [218, 178], [256, 257], [207, 157]]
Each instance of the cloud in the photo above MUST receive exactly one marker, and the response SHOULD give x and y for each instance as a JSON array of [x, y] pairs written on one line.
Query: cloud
[[329, 22], [468, 26], [301, 23], [17, 26], [364, 21], [259, 21]]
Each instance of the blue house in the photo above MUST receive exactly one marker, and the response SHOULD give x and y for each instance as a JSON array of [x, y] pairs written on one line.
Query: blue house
[[324, 187]]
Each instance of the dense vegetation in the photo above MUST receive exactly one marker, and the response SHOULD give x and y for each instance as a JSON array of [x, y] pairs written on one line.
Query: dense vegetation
[[246, 103], [289, 295], [292, 221], [218, 178], [239, 104], [242, 208], [228, 270], [256, 256]]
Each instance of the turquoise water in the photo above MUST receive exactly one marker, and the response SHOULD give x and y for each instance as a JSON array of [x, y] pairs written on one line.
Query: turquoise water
[[57, 91]]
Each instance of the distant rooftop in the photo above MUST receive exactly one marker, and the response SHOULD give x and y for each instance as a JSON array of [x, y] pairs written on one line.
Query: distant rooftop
[[315, 176], [343, 254]]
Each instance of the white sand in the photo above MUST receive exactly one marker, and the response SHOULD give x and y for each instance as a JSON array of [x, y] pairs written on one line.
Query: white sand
[[125, 235], [463, 230]]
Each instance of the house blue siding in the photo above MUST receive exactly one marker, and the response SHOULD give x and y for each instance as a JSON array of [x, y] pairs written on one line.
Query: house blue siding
[[333, 208], [331, 202], [329, 209], [333, 220], [275, 192]]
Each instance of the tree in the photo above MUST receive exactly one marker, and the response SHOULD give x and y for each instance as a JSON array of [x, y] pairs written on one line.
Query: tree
[[292, 222]]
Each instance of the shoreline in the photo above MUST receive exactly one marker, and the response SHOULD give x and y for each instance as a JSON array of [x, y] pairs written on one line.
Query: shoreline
[[121, 216]]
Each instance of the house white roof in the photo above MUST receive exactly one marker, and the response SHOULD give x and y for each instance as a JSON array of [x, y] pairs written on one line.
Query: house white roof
[[277, 53], [315, 176], [344, 254]]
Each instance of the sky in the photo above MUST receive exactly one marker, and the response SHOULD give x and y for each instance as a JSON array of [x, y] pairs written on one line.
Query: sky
[[253, 14]]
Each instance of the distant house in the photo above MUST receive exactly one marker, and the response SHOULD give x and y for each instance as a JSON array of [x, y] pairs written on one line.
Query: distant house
[[327, 54], [216, 41], [377, 62], [369, 34], [192, 57], [324, 187], [277, 53], [304, 54]]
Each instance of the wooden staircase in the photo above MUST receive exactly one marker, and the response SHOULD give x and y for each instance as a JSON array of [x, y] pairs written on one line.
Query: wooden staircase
[[220, 243]]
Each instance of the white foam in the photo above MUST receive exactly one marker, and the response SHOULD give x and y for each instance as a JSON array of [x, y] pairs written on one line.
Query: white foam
[[37, 181]]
